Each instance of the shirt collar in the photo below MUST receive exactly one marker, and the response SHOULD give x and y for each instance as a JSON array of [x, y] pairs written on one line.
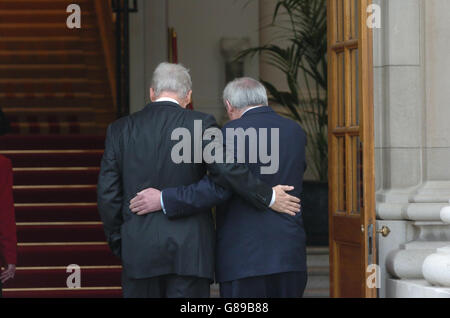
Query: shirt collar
[[167, 99], [250, 108]]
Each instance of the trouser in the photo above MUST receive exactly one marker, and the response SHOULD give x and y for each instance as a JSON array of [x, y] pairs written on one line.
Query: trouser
[[167, 286], [282, 285]]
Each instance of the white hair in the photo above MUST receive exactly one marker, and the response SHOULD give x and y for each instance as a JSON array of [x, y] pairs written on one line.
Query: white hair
[[172, 78], [245, 92]]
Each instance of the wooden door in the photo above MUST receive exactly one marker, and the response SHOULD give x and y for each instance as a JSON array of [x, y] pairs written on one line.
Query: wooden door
[[351, 148]]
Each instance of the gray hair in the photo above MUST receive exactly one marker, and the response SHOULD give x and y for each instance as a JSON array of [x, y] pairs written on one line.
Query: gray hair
[[172, 78], [245, 92]]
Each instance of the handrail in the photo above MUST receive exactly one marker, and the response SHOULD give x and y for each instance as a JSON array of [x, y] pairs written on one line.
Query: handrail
[[105, 22]]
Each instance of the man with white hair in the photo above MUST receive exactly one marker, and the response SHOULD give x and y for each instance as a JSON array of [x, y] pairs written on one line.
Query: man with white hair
[[164, 257], [260, 253]]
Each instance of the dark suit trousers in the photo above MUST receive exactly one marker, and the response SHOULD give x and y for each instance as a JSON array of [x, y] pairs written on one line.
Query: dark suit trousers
[[283, 285], [167, 286]]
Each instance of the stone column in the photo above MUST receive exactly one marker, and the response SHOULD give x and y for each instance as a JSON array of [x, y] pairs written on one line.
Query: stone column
[[436, 267], [412, 142]]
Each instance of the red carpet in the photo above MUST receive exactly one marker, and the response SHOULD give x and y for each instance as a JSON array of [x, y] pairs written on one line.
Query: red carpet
[[57, 220], [56, 91], [53, 80]]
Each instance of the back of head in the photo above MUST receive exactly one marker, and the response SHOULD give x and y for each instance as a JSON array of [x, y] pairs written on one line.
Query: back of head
[[245, 92], [173, 78]]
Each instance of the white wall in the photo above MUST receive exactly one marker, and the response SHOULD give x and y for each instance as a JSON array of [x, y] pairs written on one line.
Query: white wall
[[269, 35], [148, 47], [200, 24]]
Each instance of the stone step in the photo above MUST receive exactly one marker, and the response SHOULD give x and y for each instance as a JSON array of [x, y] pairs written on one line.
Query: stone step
[[317, 250], [319, 260], [318, 285], [319, 270], [317, 293]]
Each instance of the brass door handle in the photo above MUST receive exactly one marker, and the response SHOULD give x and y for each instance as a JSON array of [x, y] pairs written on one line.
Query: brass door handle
[[384, 231]]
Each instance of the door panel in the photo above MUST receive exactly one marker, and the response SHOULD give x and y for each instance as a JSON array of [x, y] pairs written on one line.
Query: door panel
[[351, 148], [349, 284]]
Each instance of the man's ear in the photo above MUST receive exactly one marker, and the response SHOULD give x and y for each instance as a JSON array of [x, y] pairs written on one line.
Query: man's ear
[[228, 106], [152, 95], [187, 100]]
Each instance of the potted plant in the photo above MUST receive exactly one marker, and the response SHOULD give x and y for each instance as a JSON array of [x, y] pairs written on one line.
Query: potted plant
[[303, 61]]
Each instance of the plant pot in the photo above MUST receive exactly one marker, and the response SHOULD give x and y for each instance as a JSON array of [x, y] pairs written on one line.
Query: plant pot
[[315, 212]]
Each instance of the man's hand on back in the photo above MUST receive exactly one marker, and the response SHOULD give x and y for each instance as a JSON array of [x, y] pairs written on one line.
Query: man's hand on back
[[285, 203], [8, 273], [146, 201], [149, 200]]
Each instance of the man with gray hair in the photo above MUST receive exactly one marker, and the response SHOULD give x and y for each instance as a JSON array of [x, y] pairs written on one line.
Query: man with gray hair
[[260, 253], [161, 256]]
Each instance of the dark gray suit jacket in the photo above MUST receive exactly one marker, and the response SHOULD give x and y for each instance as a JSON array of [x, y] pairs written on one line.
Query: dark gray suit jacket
[[138, 156]]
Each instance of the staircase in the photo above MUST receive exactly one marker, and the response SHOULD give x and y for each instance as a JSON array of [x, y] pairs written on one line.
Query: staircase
[[53, 80], [56, 89], [57, 221], [318, 273]]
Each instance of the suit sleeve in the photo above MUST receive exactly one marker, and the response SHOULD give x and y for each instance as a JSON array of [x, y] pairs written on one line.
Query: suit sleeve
[[237, 177], [184, 201], [8, 237], [216, 188], [110, 194], [234, 176]]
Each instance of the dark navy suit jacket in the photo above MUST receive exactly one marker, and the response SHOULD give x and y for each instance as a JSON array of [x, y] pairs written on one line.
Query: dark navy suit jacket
[[252, 242]]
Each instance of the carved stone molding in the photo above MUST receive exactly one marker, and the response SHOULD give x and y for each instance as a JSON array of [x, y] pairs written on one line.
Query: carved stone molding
[[436, 267]]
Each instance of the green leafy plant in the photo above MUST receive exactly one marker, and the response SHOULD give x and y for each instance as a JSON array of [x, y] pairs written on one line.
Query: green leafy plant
[[302, 25]]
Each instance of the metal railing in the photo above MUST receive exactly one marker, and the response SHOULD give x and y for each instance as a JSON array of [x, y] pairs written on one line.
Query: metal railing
[[122, 10]]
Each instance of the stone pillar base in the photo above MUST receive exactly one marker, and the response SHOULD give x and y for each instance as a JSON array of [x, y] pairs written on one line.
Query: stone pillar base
[[400, 288]]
